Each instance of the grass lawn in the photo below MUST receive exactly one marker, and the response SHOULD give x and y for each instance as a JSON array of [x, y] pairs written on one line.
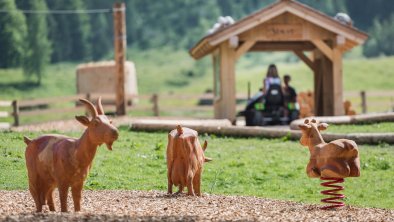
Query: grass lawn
[[365, 128], [253, 167]]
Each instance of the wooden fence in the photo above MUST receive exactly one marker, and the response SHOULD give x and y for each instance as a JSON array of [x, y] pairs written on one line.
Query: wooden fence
[[371, 101], [156, 105], [6, 114]]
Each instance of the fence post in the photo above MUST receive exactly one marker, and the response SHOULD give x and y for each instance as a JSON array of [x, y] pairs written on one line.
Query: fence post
[[363, 102], [88, 96], [120, 47], [155, 101], [15, 113]]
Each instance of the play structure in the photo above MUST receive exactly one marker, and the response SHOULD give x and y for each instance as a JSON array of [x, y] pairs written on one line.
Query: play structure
[[100, 78], [185, 159], [286, 25], [331, 161], [57, 161]]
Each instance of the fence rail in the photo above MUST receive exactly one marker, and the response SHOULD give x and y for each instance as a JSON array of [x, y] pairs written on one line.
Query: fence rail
[[5, 114], [155, 104]]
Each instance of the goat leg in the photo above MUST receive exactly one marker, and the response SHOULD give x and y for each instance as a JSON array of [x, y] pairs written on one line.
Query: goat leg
[[190, 190], [197, 183], [180, 189], [49, 198], [63, 192], [77, 193]]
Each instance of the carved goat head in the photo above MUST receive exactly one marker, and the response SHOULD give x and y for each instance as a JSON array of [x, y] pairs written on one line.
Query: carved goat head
[[99, 127]]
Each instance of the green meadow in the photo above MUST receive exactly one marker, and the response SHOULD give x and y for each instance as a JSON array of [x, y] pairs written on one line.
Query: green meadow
[[173, 71], [240, 166]]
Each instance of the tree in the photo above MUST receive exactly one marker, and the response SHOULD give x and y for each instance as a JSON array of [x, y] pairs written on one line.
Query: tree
[[381, 39], [12, 35], [69, 33], [38, 51]]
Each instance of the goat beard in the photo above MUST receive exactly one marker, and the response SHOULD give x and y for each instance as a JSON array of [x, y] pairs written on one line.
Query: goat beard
[[109, 145]]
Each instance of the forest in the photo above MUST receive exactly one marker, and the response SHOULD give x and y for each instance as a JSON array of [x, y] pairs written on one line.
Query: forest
[[31, 40]]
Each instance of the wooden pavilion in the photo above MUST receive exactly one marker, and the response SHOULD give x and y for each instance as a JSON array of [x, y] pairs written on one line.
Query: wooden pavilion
[[286, 25]]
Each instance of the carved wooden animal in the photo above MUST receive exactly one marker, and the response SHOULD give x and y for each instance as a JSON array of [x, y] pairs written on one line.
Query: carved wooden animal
[[185, 159], [306, 102], [336, 159], [349, 111], [59, 161]]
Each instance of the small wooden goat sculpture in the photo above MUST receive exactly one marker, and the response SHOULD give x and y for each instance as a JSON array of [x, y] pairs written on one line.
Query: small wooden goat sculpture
[[60, 161], [337, 159], [185, 159]]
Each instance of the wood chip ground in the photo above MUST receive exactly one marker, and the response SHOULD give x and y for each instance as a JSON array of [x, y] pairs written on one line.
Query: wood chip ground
[[157, 206]]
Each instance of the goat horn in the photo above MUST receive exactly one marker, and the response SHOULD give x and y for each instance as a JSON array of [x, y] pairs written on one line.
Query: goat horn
[[205, 145], [99, 107], [90, 107], [179, 129]]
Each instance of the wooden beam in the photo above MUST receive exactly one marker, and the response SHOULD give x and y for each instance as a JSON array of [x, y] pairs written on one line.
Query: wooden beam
[[283, 46], [249, 22], [324, 48], [305, 59], [321, 20], [120, 56], [337, 70], [225, 106], [243, 49]]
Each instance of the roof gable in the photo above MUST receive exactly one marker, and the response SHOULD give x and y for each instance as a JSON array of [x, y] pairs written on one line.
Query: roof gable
[[209, 42]]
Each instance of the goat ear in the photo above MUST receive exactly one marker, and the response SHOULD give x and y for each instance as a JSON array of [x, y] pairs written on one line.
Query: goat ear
[[207, 159], [83, 120], [304, 126], [322, 126], [306, 121]]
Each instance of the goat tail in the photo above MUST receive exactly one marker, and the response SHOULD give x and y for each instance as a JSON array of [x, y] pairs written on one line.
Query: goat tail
[[179, 129], [27, 140]]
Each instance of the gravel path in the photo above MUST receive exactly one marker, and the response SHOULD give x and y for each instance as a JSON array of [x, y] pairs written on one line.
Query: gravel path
[[157, 206]]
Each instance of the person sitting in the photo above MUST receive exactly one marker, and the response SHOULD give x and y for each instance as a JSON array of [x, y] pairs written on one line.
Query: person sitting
[[290, 98], [272, 78]]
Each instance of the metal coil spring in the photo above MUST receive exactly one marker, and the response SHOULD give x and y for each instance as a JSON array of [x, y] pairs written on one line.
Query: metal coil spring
[[336, 200]]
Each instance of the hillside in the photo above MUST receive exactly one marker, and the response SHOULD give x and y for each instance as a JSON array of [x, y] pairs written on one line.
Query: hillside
[[166, 70]]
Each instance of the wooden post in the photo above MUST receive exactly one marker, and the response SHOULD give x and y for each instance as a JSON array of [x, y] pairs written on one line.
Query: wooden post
[[363, 102], [155, 101], [225, 105], [15, 113], [120, 56], [249, 90]]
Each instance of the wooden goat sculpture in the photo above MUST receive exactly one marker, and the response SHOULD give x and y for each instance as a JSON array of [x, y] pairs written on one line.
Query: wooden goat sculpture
[[185, 159], [337, 159], [59, 161]]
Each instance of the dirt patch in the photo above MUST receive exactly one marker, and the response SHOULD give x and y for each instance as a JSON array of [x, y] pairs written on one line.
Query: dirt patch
[[157, 206]]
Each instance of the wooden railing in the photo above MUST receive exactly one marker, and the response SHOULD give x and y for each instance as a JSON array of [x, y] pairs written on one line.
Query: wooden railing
[[150, 105], [5, 113], [371, 101]]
